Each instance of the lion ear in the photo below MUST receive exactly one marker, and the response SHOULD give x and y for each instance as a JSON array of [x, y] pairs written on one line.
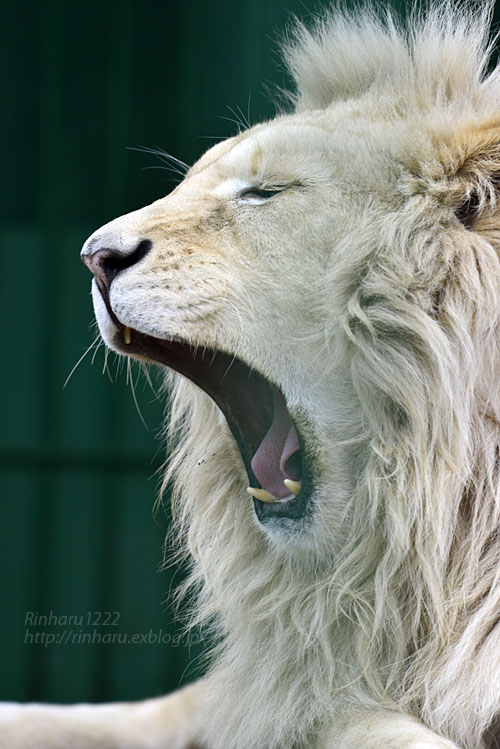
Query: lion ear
[[470, 159]]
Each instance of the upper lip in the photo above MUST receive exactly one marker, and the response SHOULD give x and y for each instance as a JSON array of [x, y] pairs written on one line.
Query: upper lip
[[105, 295]]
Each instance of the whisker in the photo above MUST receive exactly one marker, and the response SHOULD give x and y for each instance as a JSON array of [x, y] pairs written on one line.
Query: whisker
[[168, 159], [241, 120], [105, 366], [95, 344], [245, 119], [134, 396], [144, 369], [96, 350], [231, 119], [167, 169]]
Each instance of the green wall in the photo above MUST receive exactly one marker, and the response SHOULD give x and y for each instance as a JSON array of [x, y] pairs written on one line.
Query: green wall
[[82, 82]]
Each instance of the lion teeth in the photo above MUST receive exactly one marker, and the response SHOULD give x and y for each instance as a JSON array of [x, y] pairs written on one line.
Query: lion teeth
[[262, 495], [126, 334], [294, 486]]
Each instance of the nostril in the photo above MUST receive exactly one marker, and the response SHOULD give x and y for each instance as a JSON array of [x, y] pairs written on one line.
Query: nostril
[[106, 263], [112, 262]]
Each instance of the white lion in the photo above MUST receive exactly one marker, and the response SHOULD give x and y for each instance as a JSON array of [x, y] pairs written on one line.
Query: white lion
[[330, 283]]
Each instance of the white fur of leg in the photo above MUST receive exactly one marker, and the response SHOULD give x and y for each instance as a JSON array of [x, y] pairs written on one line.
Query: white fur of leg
[[382, 729], [161, 723]]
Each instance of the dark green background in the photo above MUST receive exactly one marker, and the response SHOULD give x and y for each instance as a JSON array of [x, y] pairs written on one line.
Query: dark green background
[[81, 83]]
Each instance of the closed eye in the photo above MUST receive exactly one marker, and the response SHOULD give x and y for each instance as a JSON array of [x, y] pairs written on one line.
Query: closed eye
[[259, 194]]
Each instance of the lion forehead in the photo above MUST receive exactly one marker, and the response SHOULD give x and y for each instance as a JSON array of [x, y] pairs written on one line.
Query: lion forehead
[[277, 150]]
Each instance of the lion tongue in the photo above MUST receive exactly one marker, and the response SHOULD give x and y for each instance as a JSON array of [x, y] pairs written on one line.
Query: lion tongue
[[271, 463]]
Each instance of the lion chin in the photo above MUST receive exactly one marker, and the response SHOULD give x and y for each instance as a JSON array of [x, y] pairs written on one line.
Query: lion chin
[[323, 293]]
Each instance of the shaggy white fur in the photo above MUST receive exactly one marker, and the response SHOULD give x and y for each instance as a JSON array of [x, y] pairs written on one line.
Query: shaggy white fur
[[397, 600]]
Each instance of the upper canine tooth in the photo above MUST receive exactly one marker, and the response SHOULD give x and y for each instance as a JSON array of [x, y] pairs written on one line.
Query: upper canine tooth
[[294, 486], [262, 495], [126, 334]]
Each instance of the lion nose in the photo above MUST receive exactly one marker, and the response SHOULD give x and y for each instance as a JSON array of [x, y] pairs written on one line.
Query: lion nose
[[107, 262]]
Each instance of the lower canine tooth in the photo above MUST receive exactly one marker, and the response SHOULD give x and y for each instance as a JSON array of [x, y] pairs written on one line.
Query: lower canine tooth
[[126, 335], [262, 495], [294, 486]]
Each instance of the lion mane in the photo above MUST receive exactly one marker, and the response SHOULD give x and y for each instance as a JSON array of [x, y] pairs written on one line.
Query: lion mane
[[403, 608]]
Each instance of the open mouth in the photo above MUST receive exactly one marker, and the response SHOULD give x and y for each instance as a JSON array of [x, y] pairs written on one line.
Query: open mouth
[[257, 415], [255, 410]]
